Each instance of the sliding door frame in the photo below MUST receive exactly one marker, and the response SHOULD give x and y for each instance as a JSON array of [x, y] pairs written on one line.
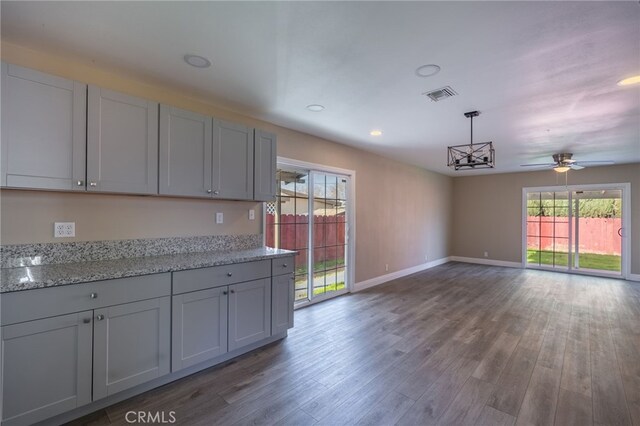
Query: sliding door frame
[[350, 233], [625, 269]]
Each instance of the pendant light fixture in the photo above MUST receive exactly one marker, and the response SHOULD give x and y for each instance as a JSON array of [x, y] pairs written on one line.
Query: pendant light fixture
[[471, 156]]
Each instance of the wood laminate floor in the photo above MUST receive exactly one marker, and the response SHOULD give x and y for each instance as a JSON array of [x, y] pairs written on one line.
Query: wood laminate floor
[[458, 344]]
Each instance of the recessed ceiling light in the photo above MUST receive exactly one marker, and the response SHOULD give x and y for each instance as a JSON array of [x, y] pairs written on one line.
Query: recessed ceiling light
[[376, 133], [315, 107], [197, 61], [628, 81], [427, 70]]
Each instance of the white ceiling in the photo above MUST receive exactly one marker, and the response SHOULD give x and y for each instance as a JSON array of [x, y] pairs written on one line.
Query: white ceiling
[[542, 74]]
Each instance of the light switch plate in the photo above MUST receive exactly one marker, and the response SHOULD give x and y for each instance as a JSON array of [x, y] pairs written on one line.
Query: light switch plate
[[252, 214], [64, 229], [219, 217]]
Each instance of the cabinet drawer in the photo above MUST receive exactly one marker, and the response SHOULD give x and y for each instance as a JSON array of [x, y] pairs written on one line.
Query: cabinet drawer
[[201, 279], [282, 266], [47, 302]]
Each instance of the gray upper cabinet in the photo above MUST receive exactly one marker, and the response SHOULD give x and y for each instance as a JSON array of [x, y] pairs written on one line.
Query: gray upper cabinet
[[185, 153], [122, 143], [265, 158], [232, 176], [249, 312], [43, 130], [199, 327], [46, 367], [131, 345]]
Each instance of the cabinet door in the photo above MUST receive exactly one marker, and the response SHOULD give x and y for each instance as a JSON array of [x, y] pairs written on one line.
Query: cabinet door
[[199, 327], [232, 161], [265, 158], [282, 303], [185, 153], [249, 312], [122, 143], [46, 366], [43, 130], [131, 345]]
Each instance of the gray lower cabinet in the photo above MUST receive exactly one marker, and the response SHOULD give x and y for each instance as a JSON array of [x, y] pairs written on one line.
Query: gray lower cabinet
[[43, 130], [199, 326], [46, 367], [122, 143], [265, 165], [131, 345], [249, 312], [282, 294]]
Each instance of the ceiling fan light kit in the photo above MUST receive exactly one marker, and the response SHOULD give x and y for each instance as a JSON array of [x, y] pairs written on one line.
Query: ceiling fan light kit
[[563, 162], [471, 156]]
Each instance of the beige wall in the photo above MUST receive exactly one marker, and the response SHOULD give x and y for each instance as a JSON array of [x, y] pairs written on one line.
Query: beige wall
[[487, 210], [28, 216], [402, 218]]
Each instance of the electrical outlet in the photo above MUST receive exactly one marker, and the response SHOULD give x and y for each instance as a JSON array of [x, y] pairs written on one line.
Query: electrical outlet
[[486, 254], [252, 214], [64, 229], [219, 218], [386, 267]]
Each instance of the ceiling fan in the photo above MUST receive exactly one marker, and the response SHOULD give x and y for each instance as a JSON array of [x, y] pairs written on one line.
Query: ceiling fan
[[563, 163]]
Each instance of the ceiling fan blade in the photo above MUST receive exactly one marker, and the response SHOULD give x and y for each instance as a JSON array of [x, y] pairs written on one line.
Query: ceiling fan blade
[[576, 167], [538, 165], [602, 163]]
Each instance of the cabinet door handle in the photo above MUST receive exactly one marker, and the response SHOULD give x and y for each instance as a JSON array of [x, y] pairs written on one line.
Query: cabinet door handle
[[100, 317], [86, 320], [208, 191], [80, 183], [229, 274], [93, 295], [284, 265], [94, 184], [225, 292], [233, 291], [216, 192]]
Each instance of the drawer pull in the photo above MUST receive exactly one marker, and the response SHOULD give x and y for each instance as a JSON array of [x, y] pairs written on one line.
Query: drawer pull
[[93, 295], [229, 274], [100, 317]]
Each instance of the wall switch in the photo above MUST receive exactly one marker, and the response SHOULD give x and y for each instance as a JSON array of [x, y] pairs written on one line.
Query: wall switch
[[219, 217], [486, 254], [252, 214], [64, 229]]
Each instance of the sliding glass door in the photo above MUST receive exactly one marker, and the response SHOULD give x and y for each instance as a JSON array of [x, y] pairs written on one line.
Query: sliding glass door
[[579, 229], [310, 215]]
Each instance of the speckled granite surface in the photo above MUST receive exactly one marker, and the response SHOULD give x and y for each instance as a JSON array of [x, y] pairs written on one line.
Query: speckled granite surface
[[12, 256], [32, 277]]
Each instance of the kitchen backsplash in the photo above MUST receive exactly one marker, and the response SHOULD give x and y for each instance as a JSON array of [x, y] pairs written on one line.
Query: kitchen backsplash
[[48, 253]]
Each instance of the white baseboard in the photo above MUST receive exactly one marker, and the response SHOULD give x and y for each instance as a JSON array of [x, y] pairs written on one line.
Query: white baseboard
[[398, 274], [634, 277], [491, 262]]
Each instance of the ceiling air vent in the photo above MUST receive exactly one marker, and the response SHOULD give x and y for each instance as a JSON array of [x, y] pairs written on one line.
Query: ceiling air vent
[[440, 94]]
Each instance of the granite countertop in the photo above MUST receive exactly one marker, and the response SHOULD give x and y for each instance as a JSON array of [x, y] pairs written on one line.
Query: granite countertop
[[32, 277]]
